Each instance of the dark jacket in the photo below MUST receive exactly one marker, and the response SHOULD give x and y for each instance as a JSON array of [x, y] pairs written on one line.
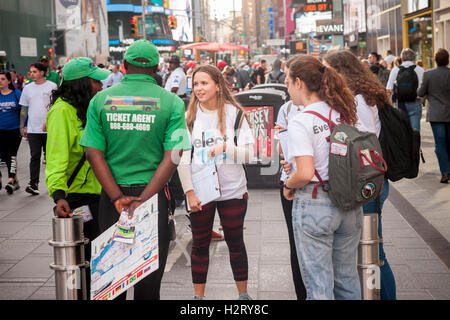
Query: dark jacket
[[276, 76], [243, 78], [436, 86]]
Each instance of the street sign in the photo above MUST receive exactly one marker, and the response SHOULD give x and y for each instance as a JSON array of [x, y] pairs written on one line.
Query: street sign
[[275, 42]]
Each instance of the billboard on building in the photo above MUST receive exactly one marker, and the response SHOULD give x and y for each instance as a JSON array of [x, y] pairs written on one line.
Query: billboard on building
[[182, 10], [85, 26], [354, 16]]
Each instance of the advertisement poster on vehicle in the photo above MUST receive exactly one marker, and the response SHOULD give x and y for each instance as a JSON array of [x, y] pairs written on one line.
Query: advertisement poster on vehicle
[[261, 120], [117, 266]]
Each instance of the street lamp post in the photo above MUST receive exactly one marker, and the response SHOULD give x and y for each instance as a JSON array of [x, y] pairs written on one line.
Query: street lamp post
[[144, 11]]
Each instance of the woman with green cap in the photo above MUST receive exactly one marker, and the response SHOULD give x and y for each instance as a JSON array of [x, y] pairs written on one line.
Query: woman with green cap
[[69, 178]]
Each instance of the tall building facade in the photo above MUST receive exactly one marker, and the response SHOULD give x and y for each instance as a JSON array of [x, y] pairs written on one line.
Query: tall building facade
[[384, 26], [441, 18]]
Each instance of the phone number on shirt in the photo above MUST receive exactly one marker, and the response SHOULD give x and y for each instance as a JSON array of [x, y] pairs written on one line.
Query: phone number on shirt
[[130, 126]]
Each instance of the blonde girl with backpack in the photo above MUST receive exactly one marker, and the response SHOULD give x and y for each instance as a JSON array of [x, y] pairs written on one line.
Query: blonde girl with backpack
[[326, 238], [211, 119]]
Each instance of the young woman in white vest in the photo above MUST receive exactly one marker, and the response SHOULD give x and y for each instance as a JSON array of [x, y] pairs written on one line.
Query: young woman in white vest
[[211, 119]]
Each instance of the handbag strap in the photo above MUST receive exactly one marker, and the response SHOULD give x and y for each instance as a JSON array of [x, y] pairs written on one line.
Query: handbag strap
[[77, 169]]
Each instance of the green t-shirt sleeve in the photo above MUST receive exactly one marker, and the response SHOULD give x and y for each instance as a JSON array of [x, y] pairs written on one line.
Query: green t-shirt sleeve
[[176, 137], [93, 136]]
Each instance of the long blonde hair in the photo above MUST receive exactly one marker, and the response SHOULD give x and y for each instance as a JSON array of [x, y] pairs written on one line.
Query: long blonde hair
[[223, 96]]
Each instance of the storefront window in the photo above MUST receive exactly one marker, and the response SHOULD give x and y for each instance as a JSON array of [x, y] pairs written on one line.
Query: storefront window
[[420, 39]]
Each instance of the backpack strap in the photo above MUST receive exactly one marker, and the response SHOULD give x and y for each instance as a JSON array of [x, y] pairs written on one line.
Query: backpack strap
[[237, 124], [331, 125]]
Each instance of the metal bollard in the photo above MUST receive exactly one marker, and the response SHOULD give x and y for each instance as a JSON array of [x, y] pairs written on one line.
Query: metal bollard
[[69, 258], [369, 258]]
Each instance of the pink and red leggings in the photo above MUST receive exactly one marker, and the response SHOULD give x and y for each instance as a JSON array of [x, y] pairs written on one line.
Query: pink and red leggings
[[232, 214]]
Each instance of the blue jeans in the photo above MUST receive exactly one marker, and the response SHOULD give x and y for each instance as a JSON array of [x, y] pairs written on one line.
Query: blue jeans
[[441, 133], [327, 246], [387, 280], [414, 111]]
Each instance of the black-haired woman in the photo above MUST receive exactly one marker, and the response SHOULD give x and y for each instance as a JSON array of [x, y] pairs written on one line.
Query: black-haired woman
[[10, 137], [73, 188]]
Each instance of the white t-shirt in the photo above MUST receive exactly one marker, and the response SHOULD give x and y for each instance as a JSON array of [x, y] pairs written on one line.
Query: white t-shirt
[[368, 119], [37, 98], [177, 79], [115, 78], [205, 135], [307, 136], [389, 59], [283, 119]]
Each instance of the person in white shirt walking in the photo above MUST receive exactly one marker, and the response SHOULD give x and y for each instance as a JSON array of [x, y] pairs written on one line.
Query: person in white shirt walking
[[407, 84], [176, 82], [389, 57], [115, 77], [35, 101]]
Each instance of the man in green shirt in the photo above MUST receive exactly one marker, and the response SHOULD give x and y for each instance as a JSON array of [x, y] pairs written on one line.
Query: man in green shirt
[[135, 131]]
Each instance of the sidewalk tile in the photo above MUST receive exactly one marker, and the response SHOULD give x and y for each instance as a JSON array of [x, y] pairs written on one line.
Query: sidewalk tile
[[31, 267], [414, 295], [17, 291], [435, 281]]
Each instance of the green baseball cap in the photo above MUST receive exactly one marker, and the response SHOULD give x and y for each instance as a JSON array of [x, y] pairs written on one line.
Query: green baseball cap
[[83, 67], [142, 49]]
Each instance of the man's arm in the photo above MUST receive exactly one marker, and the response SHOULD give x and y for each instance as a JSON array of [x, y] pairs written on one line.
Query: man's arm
[[23, 118], [162, 174], [104, 175]]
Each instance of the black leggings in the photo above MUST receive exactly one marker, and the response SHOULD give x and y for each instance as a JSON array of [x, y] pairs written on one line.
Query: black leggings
[[149, 287], [300, 289], [9, 145]]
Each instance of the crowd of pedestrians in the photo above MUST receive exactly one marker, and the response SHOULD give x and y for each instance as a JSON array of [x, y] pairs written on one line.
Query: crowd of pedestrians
[[94, 161]]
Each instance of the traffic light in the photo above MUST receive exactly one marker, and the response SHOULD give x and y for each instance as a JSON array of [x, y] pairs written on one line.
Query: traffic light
[[50, 52], [93, 28], [172, 20], [133, 26]]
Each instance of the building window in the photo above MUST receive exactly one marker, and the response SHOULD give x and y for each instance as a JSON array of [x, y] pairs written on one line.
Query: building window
[[420, 38]]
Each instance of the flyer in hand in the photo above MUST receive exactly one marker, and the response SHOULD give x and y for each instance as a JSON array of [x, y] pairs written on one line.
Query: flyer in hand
[[125, 228], [117, 266]]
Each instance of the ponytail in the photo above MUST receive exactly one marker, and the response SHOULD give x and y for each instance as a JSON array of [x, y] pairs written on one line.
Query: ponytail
[[327, 83]]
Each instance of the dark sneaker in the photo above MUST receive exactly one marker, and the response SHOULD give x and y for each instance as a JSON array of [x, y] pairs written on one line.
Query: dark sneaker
[[32, 189], [12, 186]]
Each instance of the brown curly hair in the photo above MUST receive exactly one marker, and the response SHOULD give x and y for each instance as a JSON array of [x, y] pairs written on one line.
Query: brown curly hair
[[359, 78], [326, 82]]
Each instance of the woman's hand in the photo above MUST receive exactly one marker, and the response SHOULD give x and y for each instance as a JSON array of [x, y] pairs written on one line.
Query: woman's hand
[[287, 166], [288, 194], [63, 209], [194, 203], [217, 150]]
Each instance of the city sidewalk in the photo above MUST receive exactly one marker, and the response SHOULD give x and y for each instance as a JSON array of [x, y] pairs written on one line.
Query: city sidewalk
[[415, 246]]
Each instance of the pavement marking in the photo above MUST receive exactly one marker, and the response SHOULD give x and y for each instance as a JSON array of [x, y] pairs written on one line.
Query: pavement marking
[[179, 250], [437, 242]]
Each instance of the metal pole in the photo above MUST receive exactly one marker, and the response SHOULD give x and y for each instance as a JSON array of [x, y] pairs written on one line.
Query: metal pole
[[144, 11], [53, 38], [69, 258]]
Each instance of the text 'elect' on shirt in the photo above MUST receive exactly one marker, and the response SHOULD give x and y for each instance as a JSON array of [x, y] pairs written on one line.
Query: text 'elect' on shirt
[[307, 136], [133, 123], [206, 135], [37, 98]]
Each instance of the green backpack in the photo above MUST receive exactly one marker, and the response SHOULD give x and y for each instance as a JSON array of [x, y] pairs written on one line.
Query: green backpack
[[356, 167]]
